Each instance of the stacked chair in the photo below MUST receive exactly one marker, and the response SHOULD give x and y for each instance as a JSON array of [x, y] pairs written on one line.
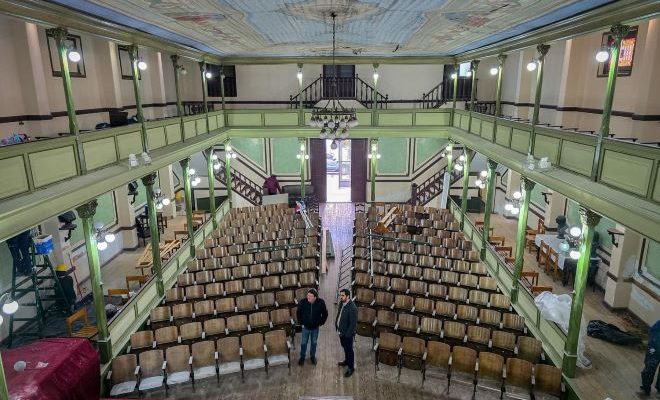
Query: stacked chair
[[429, 304], [233, 309]]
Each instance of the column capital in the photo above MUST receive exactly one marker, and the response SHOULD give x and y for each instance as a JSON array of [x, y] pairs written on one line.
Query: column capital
[[87, 210], [469, 152], [492, 164], [376, 65], [175, 58], [619, 31], [58, 33], [150, 179], [527, 183], [132, 51], [588, 217], [202, 66], [543, 49], [184, 163], [474, 64], [501, 58]]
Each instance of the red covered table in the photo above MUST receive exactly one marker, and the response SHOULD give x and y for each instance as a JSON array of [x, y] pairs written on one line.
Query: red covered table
[[73, 370]]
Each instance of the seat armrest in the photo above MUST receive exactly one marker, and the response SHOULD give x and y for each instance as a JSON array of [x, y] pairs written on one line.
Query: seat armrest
[[504, 372], [153, 345], [288, 345], [375, 323], [277, 304], [476, 366], [450, 360], [164, 365], [424, 356], [203, 335], [398, 353], [270, 324], [376, 347], [265, 348], [490, 343], [396, 326], [249, 328], [190, 360], [293, 323], [128, 349], [418, 330], [216, 355], [178, 339], [533, 380], [226, 331], [372, 302], [240, 351], [412, 310], [465, 339], [109, 375], [515, 350]]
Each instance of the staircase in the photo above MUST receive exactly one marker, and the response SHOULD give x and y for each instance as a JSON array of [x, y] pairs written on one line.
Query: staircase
[[432, 187], [434, 98], [443, 93], [351, 88], [242, 185]]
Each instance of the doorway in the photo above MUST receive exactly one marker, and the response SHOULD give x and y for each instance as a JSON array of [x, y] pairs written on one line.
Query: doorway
[[339, 81], [338, 170]]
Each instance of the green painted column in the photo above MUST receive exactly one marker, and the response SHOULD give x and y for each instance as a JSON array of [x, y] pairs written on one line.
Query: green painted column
[[373, 158], [205, 91], [211, 178], [222, 95], [618, 32], [301, 143], [466, 182], [86, 213], [374, 99], [187, 191], [446, 178], [177, 74], [498, 92], [474, 66], [148, 182], [527, 186], [490, 193], [228, 170], [542, 49], [453, 106], [60, 35], [301, 111], [589, 221], [133, 55]]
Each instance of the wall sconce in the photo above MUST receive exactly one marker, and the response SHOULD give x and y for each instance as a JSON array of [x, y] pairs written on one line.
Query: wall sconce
[[572, 243], [603, 54], [160, 199], [66, 219], [494, 70], [375, 76], [531, 66], [102, 237], [454, 75], [9, 305], [73, 55], [208, 75], [377, 156], [142, 65], [299, 74], [480, 181], [194, 179], [182, 70], [301, 154], [216, 163], [459, 162], [613, 235], [513, 206], [545, 197], [230, 153]]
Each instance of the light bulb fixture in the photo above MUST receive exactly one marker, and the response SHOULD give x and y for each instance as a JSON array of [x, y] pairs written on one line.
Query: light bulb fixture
[[575, 231], [454, 75], [182, 70], [102, 236], [160, 199], [10, 306], [74, 56], [109, 237], [208, 75], [574, 254], [142, 65], [375, 76], [603, 55], [531, 66], [230, 153], [378, 156], [468, 74], [299, 75], [513, 206], [494, 70], [517, 195], [302, 155], [214, 157], [483, 174], [194, 179]]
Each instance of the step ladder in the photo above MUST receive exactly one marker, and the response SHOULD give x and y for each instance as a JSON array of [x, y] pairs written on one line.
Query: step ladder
[[43, 284]]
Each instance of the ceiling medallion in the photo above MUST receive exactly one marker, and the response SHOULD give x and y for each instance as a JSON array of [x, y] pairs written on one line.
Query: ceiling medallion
[[334, 119]]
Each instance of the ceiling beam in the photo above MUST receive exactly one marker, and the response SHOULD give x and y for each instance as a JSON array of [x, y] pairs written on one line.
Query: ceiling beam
[[601, 18]]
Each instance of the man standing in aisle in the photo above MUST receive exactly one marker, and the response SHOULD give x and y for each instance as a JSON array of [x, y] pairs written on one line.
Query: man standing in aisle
[[311, 314], [346, 324]]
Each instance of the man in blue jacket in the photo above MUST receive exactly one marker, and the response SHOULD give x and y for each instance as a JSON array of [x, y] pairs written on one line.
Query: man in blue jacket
[[311, 314], [651, 361], [346, 324]]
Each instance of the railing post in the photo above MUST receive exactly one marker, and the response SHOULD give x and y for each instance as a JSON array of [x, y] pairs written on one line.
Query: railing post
[[303, 152], [177, 74], [222, 95], [474, 65], [202, 70], [133, 56], [86, 213], [490, 193], [453, 107], [414, 188], [589, 221], [187, 191], [301, 112], [374, 113], [60, 35], [210, 163], [498, 93], [618, 32], [446, 180], [527, 186], [542, 50], [373, 167], [466, 183], [228, 183], [148, 182]]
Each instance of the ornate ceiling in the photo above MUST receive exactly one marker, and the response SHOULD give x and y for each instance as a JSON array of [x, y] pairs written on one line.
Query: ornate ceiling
[[268, 28]]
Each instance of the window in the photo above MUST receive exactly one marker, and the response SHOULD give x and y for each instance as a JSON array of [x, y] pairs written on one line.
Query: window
[[213, 84], [72, 42], [125, 63], [650, 265], [464, 70]]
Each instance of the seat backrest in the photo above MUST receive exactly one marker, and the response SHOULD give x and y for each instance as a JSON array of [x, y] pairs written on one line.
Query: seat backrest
[[386, 318], [232, 287], [513, 321], [530, 349], [478, 334], [271, 282], [437, 290], [518, 373], [225, 305], [437, 354], [214, 326], [222, 274], [423, 304], [246, 302], [167, 334], [389, 341], [408, 322], [478, 297], [174, 294], [161, 313], [453, 329], [215, 289], [431, 325], [81, 314], [491, 365], [500, 301], [467, 313], [487, 283], [203, 353], [151, 363], [123, 368], [364, 295], [177, 358], [204, 307], [229, 349], [258, 319], [449, 277], [289, 280], [285, 297], [142, 339], [504, 340], [191, 330], [183, 310], [445, 308], [489, 317], [253, 345], [194, 292], [276, 342], [469, 280], [413, 346], [280, 316], [266, 299], [366, 315], [464, 359], [457, 293], [237, 323], [547, 379], [403, 302]]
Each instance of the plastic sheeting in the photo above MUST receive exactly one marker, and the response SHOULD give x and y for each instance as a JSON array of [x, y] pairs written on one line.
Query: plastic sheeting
[[557, 308], [59, 368]]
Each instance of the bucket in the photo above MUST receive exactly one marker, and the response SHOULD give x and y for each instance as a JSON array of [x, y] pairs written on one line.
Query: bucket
[[43, 244]]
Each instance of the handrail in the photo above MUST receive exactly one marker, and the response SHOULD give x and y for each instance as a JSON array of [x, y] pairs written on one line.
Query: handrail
[[243, 185], [326, 87], [434, 98]]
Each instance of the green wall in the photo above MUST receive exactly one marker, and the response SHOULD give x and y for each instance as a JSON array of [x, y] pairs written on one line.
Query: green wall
[[284, 156], [427, 148], [252, 149], [394, 156], [537, 196], [652, 259], [106, 213]]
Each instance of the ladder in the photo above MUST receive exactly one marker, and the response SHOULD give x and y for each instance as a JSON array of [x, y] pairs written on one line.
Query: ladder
[[36, 284], [344, 275]]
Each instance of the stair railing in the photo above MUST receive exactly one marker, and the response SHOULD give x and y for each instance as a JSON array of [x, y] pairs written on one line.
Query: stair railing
[[242, 185], [344, 88]]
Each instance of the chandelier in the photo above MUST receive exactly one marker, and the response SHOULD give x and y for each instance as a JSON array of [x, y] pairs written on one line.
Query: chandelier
[[334, 120]]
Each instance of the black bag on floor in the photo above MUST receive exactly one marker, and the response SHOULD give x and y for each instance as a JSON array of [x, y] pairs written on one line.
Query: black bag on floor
[[611, 333]]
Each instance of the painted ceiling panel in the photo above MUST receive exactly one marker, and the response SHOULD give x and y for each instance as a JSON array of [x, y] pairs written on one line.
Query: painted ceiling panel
[[266, 28]]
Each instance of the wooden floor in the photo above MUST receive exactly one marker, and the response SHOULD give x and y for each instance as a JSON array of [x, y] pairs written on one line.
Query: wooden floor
[[326, 379], [615, 371]]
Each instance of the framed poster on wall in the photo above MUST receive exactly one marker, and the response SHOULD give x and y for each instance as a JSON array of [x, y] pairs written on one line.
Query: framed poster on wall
[[72, 42], [125, 65], [626, 53]]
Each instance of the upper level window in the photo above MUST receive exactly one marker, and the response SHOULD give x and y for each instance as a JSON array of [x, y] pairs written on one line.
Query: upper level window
[[72, 43], [464, 69], [213, 84]]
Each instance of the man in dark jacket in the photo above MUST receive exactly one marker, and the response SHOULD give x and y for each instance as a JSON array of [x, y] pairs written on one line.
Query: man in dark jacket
[[346, 324], [312, 313], [651, 361]]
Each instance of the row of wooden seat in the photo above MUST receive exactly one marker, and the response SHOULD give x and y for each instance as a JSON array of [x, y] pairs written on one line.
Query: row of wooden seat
[[419, 270], [221, 257], [482, 371], [420, 285], [201, 360], [455, 294], [420, 243], [241, 284], [217, 290]]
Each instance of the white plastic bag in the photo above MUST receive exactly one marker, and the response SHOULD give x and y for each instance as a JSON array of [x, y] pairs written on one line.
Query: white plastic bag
[[557, 308]]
